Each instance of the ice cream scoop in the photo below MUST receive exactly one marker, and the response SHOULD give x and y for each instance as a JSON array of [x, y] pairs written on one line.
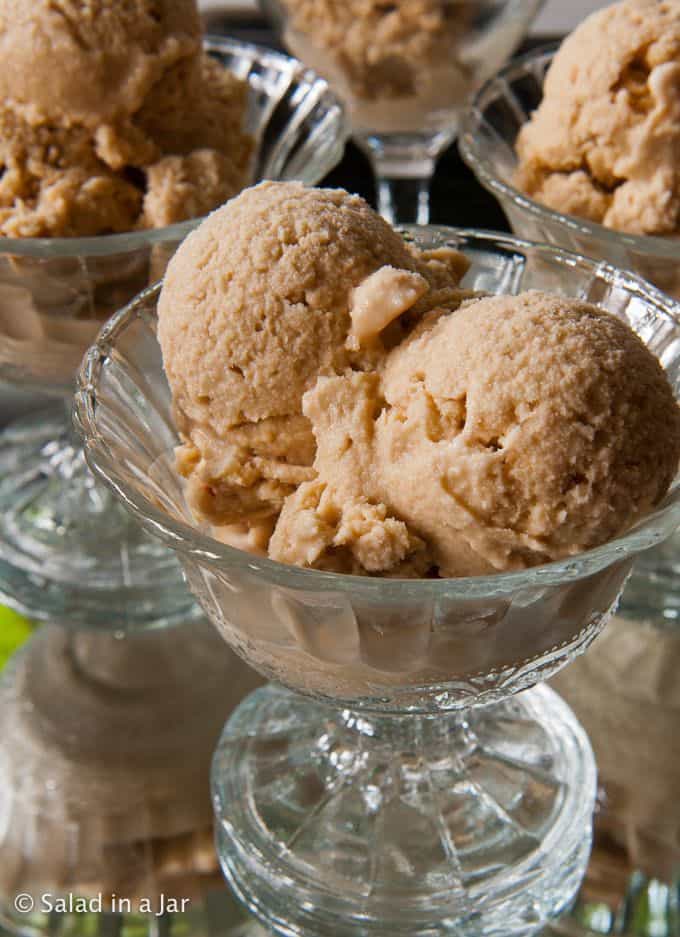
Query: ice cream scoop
[[273, 290], [111, 118], [604, 142], [122, 48], [522, 429]]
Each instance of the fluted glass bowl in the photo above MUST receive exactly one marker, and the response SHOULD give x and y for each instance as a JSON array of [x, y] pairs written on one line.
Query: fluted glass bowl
[[488, 132], [487, 143], [417, 644], [400, 806], [66, 551], [56, 292]]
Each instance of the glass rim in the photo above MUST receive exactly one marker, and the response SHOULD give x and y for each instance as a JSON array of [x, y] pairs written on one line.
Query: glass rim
[[200, 547], [102, 245], [472, 115]]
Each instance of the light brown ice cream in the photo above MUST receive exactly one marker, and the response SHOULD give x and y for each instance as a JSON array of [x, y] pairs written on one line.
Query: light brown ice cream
[[605, 140], [339, 391], [522, 429], [406, 67], [260, 301], [121, 48], [111, 118], [396, 65], [337, 521], [501, 435]]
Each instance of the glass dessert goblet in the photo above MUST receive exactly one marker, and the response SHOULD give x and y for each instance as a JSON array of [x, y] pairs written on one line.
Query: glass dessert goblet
[[404, 72], [65, 546], [489, 130], [392, 782]]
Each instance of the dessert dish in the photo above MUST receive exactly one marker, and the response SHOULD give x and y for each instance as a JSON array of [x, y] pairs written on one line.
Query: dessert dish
[[399, 67], [178, 146], [58, 556], [112, 118], [338, 389], [404, 67], [603, 142], [579, 144], [404, 71], [387, 808]]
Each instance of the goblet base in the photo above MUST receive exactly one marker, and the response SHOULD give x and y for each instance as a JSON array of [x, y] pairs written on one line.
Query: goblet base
[[469, 824], [69, 551]]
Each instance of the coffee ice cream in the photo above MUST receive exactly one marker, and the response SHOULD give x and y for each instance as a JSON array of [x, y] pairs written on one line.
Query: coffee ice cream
[[503, 434], [407, 67], [398, 66], [111, 118], [604, 142], [514, 434], [340, 391], [259, 302]]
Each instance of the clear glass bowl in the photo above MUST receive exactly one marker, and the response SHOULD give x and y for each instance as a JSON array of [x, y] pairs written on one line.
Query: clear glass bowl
[[489, 129], [66, 551], [55, 293], [386, 798], [462, 640], [487, 137], [106, 734], [404, 72]]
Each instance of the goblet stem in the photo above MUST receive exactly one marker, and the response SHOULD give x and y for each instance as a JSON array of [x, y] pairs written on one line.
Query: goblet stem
[[344, 822], [403, 165], [404, 200]]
